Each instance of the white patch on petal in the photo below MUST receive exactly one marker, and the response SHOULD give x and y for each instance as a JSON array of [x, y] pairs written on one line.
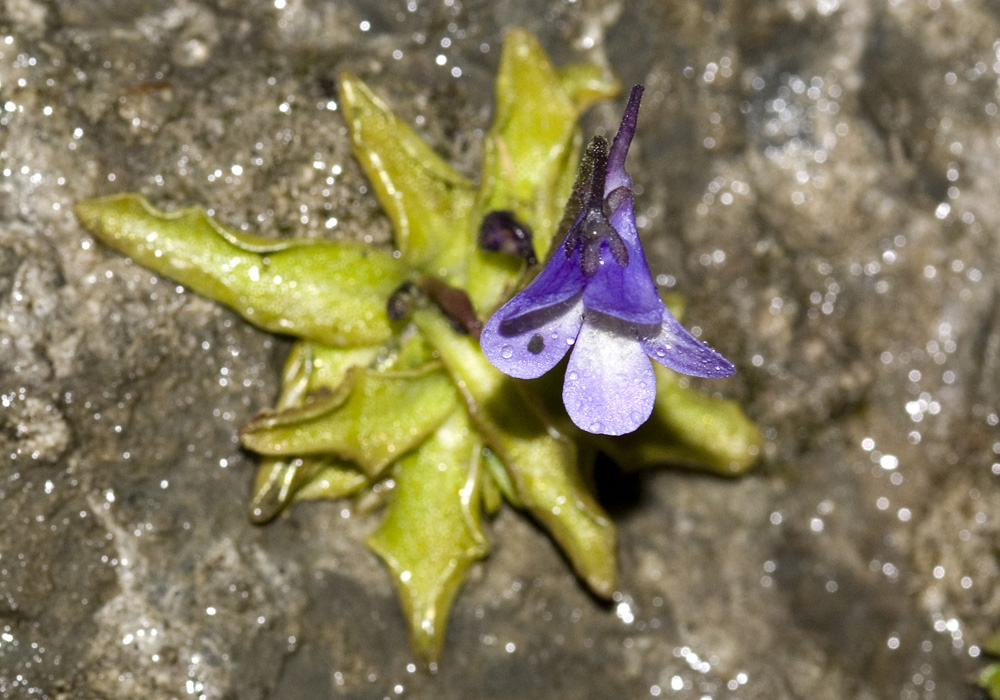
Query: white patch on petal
[[610, 387]]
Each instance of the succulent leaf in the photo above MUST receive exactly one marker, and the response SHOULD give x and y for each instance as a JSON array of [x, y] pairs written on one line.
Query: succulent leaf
[[432, 530], [587, 84], [309, 367], [281, 481], [371, 421], [428, 201], [329, 291], [989, 680]]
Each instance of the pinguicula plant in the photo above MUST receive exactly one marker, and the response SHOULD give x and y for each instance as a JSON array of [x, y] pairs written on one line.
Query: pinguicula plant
[[387, 385]]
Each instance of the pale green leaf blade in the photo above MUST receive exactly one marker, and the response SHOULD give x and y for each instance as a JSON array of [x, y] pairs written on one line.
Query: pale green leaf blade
[[497, 472], [384, 416], [281, 481], [432, 531], [327, 366], [989, 680], [331, 479], [587, 84], [535, 122], [428, 201], [329, 291]]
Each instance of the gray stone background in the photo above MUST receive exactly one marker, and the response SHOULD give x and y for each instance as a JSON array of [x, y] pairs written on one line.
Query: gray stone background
[[819, 177]]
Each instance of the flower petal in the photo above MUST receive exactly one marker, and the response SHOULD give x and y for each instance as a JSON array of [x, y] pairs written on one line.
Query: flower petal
[[610, 387], [677, 349], [529, 345], [560, 280], [627, 293]]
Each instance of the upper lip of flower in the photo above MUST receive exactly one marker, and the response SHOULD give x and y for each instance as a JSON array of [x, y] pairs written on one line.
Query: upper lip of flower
[[597, 288]]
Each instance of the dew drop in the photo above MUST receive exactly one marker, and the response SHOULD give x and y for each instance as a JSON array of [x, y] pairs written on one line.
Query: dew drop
[[595, 427], [506, 352], [660, 352], [572, 376]]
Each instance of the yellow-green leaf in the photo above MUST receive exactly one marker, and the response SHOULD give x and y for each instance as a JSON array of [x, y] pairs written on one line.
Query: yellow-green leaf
[[331, 479], [309, 367], [501, 480], [587, 84], [426, 199], [329, 291], [380, 417], [326, 367], [280, 481], [432, 531], [989, 680]]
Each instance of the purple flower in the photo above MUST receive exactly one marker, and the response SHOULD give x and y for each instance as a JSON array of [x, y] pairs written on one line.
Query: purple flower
[[596, 295]]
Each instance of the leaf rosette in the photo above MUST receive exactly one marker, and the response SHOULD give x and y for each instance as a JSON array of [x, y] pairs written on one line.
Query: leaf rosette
[[370, 394]]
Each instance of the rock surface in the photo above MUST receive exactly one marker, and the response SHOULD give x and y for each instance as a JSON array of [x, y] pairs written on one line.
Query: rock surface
[[817, 176]]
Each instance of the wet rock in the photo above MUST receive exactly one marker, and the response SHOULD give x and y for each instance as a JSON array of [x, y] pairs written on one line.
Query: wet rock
[[818, 178]]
